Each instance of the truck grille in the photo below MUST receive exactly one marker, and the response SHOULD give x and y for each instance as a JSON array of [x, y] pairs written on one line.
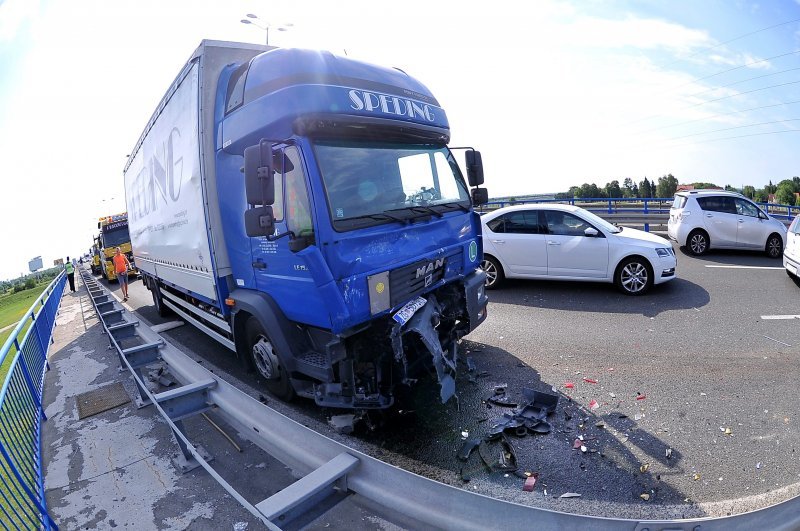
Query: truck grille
[[411, 280]]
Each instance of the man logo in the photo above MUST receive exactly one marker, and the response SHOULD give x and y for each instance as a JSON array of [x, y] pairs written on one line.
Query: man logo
[[430, 267]]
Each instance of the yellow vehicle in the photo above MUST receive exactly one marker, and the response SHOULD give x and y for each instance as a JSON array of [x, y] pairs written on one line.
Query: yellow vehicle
[[114, 233], [95, 252]]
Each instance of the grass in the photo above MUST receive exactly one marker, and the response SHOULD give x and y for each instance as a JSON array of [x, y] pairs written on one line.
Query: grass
[[13, 307]]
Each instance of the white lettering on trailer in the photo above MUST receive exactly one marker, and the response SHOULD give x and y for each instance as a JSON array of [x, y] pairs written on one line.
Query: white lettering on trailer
[[363, 100]]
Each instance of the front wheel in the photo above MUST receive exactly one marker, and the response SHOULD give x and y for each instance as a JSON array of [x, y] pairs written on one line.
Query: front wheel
[[494, 271], [267, 362], [634, 276], [774, 247]]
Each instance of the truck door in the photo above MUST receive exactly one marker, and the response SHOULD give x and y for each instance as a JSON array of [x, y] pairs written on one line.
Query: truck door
[[278, 271]]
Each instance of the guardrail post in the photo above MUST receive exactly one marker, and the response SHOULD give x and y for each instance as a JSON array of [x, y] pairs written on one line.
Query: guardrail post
[[610, 211]]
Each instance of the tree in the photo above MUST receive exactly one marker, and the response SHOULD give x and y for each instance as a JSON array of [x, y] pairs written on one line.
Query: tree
[[749, 191], [760, 196], [613, 189], [703, 186], [667, 186], [573, 191], [627, 187], [784, 193], [770, 188], [645, 189]]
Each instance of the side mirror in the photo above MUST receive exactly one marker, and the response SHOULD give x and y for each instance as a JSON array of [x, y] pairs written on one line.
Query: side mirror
[[480, 196], [590, 232], [474, 167], [259, 221], [259, 180]]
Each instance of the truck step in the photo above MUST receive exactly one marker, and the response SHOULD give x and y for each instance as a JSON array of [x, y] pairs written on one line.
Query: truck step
[[315, 365]]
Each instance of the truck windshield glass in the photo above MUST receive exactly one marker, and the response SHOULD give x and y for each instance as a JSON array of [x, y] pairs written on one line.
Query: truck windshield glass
[[116, 237], [371, 183]]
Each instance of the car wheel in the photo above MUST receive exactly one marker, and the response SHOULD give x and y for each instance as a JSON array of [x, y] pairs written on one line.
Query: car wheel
[[634, 276], [494, 271], [697, 242], [774, 247], [267, 362]]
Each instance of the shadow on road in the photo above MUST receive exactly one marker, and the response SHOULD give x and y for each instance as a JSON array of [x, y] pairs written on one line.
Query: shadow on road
[[678, 294], [755, 258]]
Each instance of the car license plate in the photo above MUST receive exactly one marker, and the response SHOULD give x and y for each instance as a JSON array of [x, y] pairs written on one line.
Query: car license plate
[[408, 310]]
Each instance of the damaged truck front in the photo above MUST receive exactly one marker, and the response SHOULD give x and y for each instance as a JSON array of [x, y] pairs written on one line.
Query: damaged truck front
[[304, 210]]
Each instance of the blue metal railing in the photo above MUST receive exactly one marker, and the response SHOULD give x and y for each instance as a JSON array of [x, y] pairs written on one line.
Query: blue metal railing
[[625, 205], [22, 499]]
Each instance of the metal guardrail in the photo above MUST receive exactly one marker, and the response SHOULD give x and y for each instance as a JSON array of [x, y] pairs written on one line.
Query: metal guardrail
[[637, 211], [333, 470], [22, 496]]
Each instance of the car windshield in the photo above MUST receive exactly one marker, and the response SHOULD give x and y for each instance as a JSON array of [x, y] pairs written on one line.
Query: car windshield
[[597, 221], [370, 183]]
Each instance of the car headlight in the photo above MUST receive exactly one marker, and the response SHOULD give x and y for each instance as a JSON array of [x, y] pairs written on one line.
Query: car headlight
[[664, 252]]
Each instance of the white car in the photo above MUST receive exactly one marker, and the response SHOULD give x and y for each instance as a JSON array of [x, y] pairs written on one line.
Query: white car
[[791, 254], [708, 219], [564, 242]]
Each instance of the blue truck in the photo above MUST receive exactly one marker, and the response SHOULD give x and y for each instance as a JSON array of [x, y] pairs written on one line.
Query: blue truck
[[305, 211]]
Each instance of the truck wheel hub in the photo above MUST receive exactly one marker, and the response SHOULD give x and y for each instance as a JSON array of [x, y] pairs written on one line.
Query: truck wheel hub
[[265, 359]]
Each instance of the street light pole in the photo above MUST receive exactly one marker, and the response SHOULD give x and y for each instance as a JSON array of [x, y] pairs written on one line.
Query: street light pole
[[266, 26]]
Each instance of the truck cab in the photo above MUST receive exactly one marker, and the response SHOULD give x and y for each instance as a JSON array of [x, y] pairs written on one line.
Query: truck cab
[[113, 233]]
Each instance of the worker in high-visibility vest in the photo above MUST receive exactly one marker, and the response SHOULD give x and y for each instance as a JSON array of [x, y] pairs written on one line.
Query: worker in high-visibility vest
[[70, 269]]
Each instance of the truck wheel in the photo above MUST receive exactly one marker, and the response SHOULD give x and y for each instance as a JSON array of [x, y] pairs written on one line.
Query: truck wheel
[[158, 301], [266, 361]]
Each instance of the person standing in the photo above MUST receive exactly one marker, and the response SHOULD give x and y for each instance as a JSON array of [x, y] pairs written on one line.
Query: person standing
[[70, 269], [121, 266]]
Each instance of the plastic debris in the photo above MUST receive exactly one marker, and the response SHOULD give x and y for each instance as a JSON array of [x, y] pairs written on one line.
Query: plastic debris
[[696, 476], [645, 496], [644, 468], [590, 380], [577, 444], [610, 369], [343, 423], [467, 448], [570, 495], [727, 431], [530, 482], [668, 453], [569, 385], [464, 434], [502, 400], [499, 457], [583, 449], [600, 424], [545, 402], [640, 396], [758, 465], [240, 526], [612, 395], [593, 404]]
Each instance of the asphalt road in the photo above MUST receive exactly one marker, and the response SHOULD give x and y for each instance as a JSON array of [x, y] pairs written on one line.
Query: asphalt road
[[691, 370]]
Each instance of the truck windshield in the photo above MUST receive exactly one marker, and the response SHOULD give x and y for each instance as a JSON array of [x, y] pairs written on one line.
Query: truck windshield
[[371, 183], [116, 237]]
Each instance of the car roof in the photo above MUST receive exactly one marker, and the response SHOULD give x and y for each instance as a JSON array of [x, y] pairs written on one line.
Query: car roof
[[690, 193], [528, 206]]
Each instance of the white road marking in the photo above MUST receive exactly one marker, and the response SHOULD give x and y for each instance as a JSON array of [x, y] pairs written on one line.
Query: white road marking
[[776, 341], [744, 267], [163, 327], [780, 317]]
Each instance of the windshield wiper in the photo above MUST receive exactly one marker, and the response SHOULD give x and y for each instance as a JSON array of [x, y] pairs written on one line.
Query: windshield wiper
[[385, 216], [454, 205], [426, 210]]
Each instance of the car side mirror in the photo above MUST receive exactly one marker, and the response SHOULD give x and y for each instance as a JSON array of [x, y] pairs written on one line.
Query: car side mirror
[[259, 221], [474, 167], [259, 179], [590, 232]]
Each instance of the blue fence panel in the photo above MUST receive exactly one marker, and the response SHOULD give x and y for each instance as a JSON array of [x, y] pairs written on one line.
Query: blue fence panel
[[22, 499]]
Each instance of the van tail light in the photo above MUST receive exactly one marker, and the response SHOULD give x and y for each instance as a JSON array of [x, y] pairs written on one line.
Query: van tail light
[[683, 215]]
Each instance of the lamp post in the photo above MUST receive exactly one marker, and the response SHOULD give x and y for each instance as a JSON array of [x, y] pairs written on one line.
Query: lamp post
[[251, 18]]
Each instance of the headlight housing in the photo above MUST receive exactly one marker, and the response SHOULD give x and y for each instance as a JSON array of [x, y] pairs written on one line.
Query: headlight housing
[[665, 252]]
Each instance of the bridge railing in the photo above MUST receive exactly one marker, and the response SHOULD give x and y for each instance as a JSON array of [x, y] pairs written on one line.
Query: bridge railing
[[637, 211], [24, 354]]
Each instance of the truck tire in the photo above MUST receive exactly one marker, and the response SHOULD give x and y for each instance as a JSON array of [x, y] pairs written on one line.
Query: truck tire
[[266, 361], [158, 301]]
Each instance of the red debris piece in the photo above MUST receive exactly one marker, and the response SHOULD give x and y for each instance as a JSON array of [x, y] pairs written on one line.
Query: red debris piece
[[569, 385], [593, 404], [641, 397], [590, 380], [577, 444], [610, 369], [530, 482]]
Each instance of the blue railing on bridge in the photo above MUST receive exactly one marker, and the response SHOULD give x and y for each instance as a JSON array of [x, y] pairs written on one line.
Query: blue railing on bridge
[[637, 205], [22, 497]]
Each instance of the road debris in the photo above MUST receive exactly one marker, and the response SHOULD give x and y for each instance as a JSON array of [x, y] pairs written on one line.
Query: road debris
[[530, 482], [726, 430], [590, 380], [499, 457], [645, 496], [569, 385], [644, 468], [640, 396], [696, 476], [593, 404], [570, 495], [344, 424], [467, 448], [668, 453]]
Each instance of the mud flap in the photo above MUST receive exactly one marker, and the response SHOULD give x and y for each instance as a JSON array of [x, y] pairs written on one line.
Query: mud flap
[[423, 323]]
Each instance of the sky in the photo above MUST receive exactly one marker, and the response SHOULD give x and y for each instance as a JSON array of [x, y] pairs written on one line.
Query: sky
[[553, 93]]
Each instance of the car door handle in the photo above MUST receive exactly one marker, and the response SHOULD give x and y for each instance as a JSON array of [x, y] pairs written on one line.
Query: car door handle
[[741, 221], [709, 216], [498, 241], [553, 243], [258, 264]]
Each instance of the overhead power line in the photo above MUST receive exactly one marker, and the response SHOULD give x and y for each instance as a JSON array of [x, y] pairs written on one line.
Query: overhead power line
[[744, 81], [710, 116], [737, 127]]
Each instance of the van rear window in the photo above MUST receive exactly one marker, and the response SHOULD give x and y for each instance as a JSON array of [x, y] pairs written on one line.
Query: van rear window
[[679, 201]]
